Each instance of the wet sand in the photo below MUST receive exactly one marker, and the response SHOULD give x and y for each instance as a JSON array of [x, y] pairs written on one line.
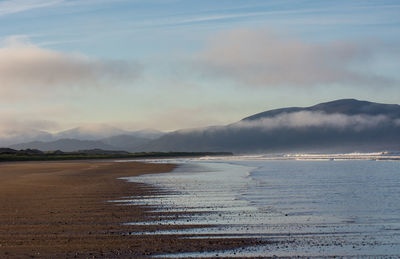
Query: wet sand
[[61, 210]]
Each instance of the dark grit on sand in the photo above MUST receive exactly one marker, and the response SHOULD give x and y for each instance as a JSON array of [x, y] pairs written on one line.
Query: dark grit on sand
[[61, 210]]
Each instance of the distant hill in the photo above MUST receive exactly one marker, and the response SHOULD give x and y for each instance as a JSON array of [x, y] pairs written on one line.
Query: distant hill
[[339, 126], [8, 151], [35, 152], [66, 145], [343, 106], [342, 125], [81, 138], [120, 142], [147, 133], [99, 132], [89, 133], [126, 142], [133, 141], [98, 151], [25, 136]]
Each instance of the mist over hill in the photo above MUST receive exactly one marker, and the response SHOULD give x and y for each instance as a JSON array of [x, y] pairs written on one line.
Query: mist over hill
[[81, 138], [66, 145], [343, 106], [345, 125], [338, 126]]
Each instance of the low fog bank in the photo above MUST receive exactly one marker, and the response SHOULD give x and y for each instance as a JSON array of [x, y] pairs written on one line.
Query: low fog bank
[[346, 125], [260, 140], [298, 131], [306, 119]]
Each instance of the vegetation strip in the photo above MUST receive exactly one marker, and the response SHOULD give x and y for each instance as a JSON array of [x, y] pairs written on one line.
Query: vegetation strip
[[7, 154]]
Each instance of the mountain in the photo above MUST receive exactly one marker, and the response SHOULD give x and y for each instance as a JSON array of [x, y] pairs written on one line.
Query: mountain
[[343, 106], [134, 141], [91, 132], [24, 136], [66, 145], [84, 138], [147, 134], [339, 126], [126, 142], [98, 151], [103, 131], [120, 142]]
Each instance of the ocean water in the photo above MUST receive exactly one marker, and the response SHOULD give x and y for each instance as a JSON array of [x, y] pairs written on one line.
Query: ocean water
[[310, 207]]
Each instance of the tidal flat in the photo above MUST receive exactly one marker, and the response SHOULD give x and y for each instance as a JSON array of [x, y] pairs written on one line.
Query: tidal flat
[[62, 210], [343, 205]]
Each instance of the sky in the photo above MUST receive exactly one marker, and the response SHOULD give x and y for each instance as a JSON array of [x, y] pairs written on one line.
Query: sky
[[173, 64]]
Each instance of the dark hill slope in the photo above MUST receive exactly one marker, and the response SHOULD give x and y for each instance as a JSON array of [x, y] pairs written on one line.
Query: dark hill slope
[[343, 106], [339, 126]]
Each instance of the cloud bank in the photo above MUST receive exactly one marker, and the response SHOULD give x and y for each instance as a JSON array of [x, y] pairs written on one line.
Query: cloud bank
[[304, 119], [15, 129], [262, 58], [26, 67]]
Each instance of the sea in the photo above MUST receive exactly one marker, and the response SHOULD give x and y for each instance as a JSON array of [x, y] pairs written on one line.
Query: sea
[[310, 205]]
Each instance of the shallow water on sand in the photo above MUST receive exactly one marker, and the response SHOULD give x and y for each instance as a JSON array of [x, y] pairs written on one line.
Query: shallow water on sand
[[314, 208]]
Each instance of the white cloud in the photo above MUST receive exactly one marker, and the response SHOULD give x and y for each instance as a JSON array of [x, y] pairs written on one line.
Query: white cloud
[[305, 119], [261, 58], [39, 119], [16, 6], [21, 128], [11, 127], [26, 69]]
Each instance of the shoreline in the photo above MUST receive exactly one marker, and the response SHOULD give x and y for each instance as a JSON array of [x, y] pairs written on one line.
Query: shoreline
[[37, 155], [61, 209]]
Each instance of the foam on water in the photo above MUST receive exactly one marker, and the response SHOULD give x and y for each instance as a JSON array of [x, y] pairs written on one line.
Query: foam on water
[[314, 208]]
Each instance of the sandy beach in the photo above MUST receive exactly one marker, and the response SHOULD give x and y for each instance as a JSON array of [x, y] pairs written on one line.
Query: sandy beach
[[60, 210]]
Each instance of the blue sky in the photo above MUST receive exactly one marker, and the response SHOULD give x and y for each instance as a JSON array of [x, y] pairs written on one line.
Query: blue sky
[[171, 64]]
